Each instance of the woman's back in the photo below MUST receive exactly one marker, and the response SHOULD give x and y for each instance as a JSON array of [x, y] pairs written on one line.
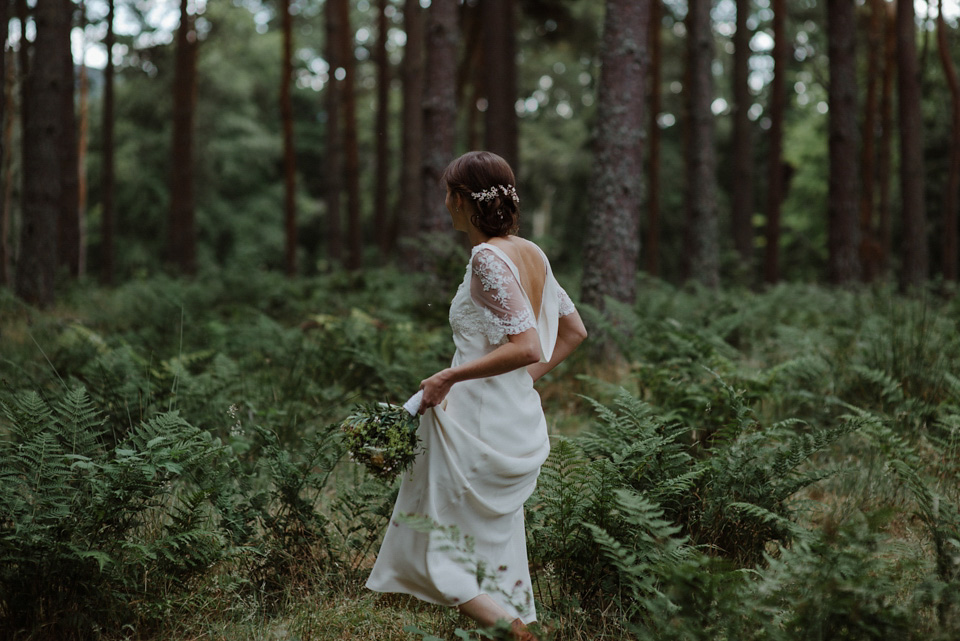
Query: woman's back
[[529, 261]]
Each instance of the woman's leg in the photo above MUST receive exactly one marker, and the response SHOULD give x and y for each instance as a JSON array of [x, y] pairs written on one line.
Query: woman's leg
[[487, 612]]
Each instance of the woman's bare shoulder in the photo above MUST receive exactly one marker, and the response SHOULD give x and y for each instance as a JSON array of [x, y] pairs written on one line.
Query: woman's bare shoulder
[[519, 250]]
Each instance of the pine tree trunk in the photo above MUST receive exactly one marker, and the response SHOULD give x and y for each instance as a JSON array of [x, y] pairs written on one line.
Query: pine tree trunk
[[289, 157], [440, 112], [742, 210], [843, 230], [6, 118], [702, 240], [915, 256], [778, 103], [869, 244], [334, 156], [500, 81], [182, 236], [42, 172], [885, 144], [382, 174], [612, 242], [82, 143], [68, 218], [652, 261], [107, 176], [471, 74], [952, 186], [351, 152], [408, 218]]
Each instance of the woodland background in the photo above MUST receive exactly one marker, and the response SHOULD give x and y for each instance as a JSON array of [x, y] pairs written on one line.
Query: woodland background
[[740, 141], [225, 234]]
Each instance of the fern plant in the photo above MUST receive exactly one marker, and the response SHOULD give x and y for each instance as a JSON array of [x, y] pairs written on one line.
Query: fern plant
[[89, 532]]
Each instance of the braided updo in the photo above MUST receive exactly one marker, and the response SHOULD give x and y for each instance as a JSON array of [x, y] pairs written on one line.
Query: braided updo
[[486, 180]]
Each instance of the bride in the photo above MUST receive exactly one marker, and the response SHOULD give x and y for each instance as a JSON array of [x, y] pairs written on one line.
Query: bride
[[482, 425]]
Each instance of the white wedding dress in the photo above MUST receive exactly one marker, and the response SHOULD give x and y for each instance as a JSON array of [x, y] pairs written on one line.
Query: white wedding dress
[[484, 445]]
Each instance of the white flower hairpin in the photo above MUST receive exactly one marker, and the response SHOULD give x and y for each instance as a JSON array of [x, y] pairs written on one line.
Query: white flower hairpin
[[490, 194]]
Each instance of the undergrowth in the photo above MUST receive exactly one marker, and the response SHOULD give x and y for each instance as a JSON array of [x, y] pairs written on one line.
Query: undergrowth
[[778, 465]]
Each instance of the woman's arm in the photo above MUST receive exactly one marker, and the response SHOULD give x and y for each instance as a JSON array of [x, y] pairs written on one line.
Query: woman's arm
[[520, 350], [570, 334]]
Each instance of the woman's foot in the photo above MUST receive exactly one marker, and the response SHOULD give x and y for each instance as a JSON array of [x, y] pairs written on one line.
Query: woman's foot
[[520, 631]]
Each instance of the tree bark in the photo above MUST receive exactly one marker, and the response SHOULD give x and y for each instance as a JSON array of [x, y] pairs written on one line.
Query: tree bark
[[843, 230], [652, 261], [83, 137], [778, 104], [42, 171], [885, 145], [289, 157], [6, 118], [182, 235], [952, 186], [382, 175], [107, 177], [408, 216], [869, 243], [440, 112], [702, 241], [500, 71], [742, 209], [68, 216], [612, 242], [334, 156], [351, 152], [915, 256]]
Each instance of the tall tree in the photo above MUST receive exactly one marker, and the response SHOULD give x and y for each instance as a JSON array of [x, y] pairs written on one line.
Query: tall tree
[[869, 244], [702, 240], [351, 151], [500, 69], [843, 221], [68, 216], [778, 105], [612, 242], [411, 183], [83, 137], [107, 175], [5, 115], [289, 157], [440, 111], [915, 255], [182, 235], [382, 174], [885, 144], [334, 155], [952, 186], [652, 261], [742, 209], [42, 173]]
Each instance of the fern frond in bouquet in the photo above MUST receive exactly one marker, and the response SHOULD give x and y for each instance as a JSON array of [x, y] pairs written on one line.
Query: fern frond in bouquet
[[382, 437]]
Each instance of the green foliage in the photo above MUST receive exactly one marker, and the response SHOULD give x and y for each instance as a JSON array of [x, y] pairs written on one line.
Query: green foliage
[[89, 532], [776, 465]]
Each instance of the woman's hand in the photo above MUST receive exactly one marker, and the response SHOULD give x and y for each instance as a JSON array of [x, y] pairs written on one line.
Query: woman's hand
[[435, 389]]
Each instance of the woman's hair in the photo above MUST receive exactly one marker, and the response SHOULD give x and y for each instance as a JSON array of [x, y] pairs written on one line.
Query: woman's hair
[[488, 182]]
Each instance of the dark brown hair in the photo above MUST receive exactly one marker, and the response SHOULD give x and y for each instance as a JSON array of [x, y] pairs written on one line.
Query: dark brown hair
[[482, 171]]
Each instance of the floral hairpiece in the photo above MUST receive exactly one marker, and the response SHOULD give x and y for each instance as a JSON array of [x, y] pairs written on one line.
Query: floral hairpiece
[[490, 194]]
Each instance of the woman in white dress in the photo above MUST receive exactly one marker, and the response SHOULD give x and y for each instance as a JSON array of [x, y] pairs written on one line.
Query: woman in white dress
[[482, 425]]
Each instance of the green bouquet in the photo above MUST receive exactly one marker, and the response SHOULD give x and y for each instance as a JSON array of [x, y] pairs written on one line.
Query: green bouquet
[[382, 437]]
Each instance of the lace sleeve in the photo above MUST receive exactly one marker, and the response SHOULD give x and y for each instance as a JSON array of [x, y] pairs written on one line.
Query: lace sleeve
[[497, 294], [566, 305]]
